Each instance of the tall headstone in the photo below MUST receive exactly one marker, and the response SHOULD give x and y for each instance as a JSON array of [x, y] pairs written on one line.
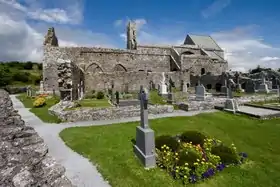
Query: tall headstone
[[224, 88], [145, 139], [79, 91], [82, 90], [200, 93], [278, 91], [263, 86], [112, 91], [250, 86], [163, 87], [41, 90], [117, 97]]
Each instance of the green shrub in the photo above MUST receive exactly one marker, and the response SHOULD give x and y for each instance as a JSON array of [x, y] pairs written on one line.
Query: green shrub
[[21, 76], [15, 90], [193, 136], [100, 95], [28, 65], [227, 155], [168, 141], [189, 157], [6, 77]]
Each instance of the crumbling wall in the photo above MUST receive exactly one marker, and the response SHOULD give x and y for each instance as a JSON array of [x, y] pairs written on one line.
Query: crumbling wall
[[131, 81], [195, 64], [24, 158]]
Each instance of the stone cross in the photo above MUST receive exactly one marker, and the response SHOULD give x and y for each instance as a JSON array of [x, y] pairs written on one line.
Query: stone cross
[[144, 96], [263, 77], [41, 86], [79, 91], [117, 97], [170, 85], [82, 90], [163, 78], [229, 92], [145, 139], [53, 89], [198, 82], [237, 77]]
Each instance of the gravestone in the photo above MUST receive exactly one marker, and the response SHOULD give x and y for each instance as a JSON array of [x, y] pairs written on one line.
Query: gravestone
[[145, 139], [229, 93], [231, 105], [200, 93], [224, 88], [278, 91], [41, 90], [112, 91], [28, 91], [263, 86], [117, 97], [79, 91], [53, 90], [163, 87], [82, 90], [250, 87]]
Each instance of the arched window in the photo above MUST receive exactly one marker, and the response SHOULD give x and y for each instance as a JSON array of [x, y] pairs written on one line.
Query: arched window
[[119, 67], [202, 71]]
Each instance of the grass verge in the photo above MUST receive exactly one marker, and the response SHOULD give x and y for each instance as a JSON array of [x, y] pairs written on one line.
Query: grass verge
[[110, 148]]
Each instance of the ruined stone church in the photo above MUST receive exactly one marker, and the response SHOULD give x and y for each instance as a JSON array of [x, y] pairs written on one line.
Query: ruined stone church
[[127, 69]]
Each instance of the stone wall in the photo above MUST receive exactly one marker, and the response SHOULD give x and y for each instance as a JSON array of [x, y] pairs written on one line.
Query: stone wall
[[131, 80], [145, 58], [85, 114], [24, 158], [195, 63]]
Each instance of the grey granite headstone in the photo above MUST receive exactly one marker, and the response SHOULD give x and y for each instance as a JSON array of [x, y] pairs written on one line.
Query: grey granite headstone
[[117, 97], [229, 93], [231, 105], [145, 139], [278, 91], [250, 87], [200, 93]]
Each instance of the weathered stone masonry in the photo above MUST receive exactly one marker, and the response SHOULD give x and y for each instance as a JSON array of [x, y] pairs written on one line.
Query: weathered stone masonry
[[24, 158], [102, 65]]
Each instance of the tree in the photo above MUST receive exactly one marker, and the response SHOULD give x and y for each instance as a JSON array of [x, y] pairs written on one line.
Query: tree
[[6, 77], [28, 65]]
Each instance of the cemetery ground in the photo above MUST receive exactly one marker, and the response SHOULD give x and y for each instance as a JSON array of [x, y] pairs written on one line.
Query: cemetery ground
[[110, 148], [41, 112]]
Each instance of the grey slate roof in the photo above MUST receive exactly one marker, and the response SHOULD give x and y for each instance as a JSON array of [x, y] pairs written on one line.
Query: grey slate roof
[[206, 42], [213, 54]]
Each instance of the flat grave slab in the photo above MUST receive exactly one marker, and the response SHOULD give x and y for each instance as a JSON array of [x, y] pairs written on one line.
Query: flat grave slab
[[258, 112]]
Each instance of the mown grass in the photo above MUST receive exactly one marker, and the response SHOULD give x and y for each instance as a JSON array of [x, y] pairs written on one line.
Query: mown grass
[[92, 103], [41, 112], [110, 148]]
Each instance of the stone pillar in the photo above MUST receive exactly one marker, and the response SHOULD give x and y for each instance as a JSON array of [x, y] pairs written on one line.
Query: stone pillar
[[145, 140]]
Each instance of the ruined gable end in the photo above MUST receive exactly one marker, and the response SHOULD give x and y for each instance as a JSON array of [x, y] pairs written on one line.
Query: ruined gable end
[[50, 38]]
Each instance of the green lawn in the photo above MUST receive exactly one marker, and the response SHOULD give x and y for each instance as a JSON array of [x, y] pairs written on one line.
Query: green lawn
[[110, 148], [99, 103], [42, 112]]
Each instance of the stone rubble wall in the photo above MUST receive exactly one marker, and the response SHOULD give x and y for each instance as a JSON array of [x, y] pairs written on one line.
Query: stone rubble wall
[[24, 158], [85, 114]]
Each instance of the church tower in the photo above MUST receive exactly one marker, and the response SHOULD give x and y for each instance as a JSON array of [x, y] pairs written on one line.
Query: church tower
[[131, 36]]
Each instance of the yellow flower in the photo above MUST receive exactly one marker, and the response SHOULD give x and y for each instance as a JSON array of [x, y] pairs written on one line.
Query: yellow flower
[[185, 176], [176, 159], [203, 159], [179, 141], [176, 154], [186, 168], [176, 171], [197, 160], [186, 164], [202, 162], [166, 159]]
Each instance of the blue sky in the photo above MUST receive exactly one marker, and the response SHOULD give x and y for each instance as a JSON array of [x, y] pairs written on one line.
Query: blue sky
[[248, 30]]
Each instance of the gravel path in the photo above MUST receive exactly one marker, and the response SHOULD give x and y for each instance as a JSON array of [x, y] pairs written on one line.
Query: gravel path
[[79, 170]]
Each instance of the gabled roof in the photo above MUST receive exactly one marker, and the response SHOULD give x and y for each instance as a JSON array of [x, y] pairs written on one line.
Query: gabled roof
[[206, 42], [213, 54]]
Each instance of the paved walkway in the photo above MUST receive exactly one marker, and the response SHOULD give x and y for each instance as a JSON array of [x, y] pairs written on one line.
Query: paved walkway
[[79, 170]]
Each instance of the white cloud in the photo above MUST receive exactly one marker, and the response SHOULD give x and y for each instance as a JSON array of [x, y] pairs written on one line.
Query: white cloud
[[215, 7], [269, 58], [246, 51], [22, 41], [66, 14]]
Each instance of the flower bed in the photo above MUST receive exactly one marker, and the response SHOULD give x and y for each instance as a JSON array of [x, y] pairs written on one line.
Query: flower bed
[[193, 157]]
